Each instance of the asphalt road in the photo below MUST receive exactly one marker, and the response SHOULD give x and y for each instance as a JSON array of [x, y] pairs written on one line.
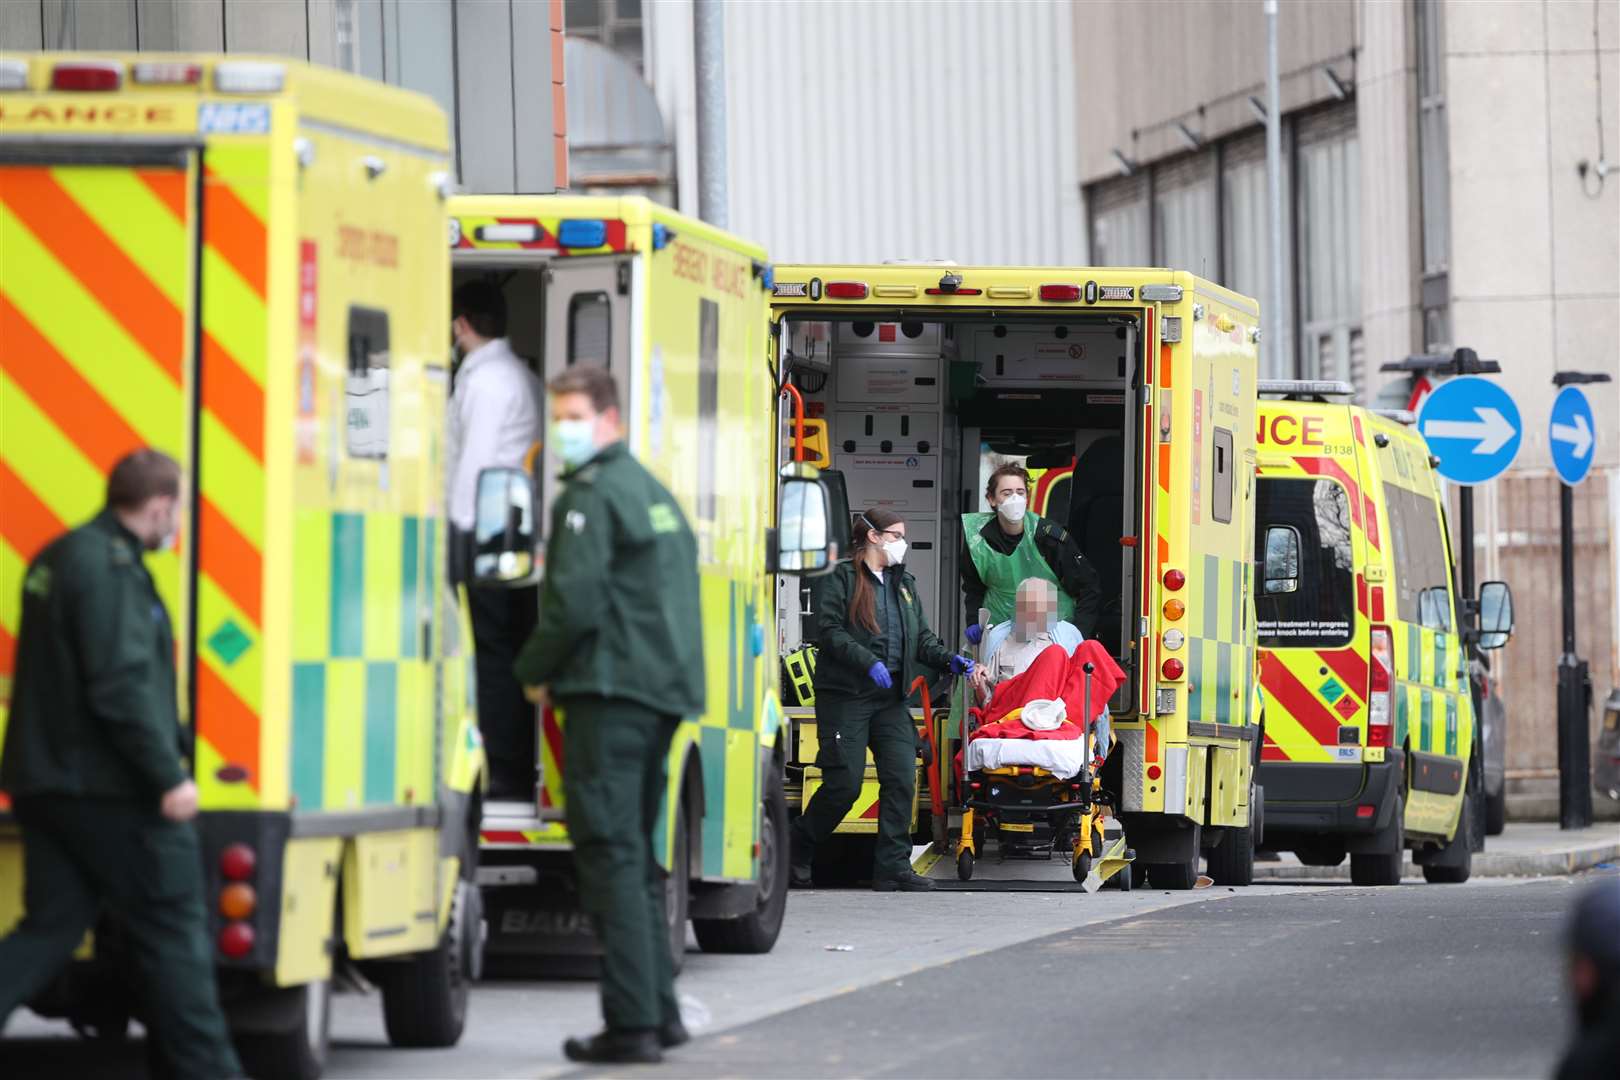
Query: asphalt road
[[1277, 980]]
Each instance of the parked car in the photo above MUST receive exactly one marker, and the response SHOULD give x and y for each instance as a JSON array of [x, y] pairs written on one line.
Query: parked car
[[1493, 733], [1606, 761]]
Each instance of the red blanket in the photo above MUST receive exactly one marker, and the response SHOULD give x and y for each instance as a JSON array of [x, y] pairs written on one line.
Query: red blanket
[[1054, 675]]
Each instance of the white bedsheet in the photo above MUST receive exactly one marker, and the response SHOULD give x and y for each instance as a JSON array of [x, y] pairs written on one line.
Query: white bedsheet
[[1061, 757]]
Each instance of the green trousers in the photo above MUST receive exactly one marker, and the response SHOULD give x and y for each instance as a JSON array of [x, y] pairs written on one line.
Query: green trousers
[[615, 756], [845, 727], [85, 856]]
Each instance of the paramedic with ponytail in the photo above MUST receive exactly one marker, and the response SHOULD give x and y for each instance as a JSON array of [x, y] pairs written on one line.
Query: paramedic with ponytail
[[872, 640], [1002, 549]]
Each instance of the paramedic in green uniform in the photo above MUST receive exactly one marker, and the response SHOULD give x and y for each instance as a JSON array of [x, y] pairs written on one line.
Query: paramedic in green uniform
[[619, 649], [94, 765], [1001, 549], [872, 640]]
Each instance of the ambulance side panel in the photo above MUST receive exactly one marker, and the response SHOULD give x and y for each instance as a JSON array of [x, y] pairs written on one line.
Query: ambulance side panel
[[702, 410]]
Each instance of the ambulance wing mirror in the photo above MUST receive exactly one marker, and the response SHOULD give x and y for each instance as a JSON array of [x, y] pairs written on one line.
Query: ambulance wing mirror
[[1280, 570], [1495, 614], [804, 541], [503, 530]]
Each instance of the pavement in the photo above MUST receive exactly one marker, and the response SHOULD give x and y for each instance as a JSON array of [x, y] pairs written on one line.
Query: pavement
[[1525, 849]]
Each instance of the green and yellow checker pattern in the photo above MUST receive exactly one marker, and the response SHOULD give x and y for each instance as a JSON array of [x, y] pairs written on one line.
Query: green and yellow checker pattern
[[1220, 663], [363, 687]]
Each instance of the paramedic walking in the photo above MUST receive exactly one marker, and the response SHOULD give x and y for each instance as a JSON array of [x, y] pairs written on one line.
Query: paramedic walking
[[872, 640], [94, 765], [619, 649], [494, 420], [1001, 549]]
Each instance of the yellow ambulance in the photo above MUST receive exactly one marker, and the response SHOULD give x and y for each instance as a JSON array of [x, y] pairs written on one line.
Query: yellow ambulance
[[678, 311], [241, 262], [1370, 745], [1135, 388]]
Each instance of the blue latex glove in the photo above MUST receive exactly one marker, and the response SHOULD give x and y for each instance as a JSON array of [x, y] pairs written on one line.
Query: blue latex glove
[[961, 665], [880, 675], [974, 633]]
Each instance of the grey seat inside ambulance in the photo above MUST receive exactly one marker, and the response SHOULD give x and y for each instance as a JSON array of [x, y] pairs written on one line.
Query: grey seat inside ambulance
[[1096, 509]]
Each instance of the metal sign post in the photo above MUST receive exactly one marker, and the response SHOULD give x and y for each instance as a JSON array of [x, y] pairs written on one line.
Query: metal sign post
[[1570, 438]]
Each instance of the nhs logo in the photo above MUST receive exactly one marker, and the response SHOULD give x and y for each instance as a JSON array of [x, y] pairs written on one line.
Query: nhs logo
[[233, 118]]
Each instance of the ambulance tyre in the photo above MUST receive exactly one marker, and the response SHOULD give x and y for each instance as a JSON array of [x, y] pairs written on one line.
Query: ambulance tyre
[[296, 1052], [425, 996], [1231, 862], [1495, 813], [1458, 853], [964, 866], [677, 891], [756, 932], [1383, 868]]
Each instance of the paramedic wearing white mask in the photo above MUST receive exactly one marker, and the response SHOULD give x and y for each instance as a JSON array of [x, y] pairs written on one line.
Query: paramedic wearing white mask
[[872, 640], [1002, 548], [494, 420]]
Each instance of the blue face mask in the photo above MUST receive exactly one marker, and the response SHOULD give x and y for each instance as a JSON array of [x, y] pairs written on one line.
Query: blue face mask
[[575, 441]]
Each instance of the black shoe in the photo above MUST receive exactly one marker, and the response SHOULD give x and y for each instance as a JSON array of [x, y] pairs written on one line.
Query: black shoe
[[637, 1047], [673, 1034], [910, 881], [799, 875]]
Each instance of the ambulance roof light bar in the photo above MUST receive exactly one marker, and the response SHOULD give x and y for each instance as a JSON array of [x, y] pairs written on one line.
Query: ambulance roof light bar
[[87, 75], [13, 74], [166, 73], [1400, 416], [249, 77], [1305, 388]]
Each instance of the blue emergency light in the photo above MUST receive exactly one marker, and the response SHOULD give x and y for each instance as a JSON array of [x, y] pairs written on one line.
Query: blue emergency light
[[582, 233]]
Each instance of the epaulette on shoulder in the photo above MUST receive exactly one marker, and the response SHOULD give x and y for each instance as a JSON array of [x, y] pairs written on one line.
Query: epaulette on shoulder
[[1054, 530]]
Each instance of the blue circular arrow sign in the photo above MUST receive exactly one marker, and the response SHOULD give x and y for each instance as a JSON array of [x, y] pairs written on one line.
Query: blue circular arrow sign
[[1473, 427], [1571, 434]]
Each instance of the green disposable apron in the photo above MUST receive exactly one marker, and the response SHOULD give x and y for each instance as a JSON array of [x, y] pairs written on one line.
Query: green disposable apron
[[1002, 573]]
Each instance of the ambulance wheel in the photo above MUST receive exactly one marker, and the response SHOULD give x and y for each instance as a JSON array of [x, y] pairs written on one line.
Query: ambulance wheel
[[1177, 877], [756, 932], [1383, 868], [678, 890], [425, 996], [297, 1051], [1138, 872], [1081, 865], [1231, 862], [1459, 852], [964, 866]]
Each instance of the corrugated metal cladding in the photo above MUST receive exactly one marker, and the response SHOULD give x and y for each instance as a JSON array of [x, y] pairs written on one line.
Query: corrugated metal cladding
[[867, 131]]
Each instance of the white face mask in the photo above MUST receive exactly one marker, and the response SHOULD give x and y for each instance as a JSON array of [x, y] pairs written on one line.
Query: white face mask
[[1012, 509], [895, 550]]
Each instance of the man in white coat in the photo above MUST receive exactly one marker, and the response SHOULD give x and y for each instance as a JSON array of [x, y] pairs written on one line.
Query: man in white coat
[[495, 419]]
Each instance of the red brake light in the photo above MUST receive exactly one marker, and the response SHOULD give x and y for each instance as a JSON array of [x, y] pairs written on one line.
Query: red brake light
[[1173, 668], [1380, 683], [237, 862], [87, 75], [1061, 293], [1366, 810], [236, 940], [1174, 579], [1381, 655], [953, 292], [846, 290]]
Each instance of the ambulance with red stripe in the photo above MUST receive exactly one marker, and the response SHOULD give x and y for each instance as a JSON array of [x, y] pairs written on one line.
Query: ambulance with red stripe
[[241, 262], [1370, 744], [1131, 393]]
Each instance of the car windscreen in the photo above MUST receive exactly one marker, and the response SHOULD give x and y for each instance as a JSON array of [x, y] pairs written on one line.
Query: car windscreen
[[1305, 594]]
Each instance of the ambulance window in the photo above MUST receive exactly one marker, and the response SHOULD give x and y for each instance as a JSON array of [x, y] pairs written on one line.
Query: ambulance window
[[1419, 549], [590, 329], [1221, 489], [708, 405], [365, 385], [1320, 611]]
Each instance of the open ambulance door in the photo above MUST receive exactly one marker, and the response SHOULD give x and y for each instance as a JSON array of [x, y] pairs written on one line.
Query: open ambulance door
[[1140, 421]]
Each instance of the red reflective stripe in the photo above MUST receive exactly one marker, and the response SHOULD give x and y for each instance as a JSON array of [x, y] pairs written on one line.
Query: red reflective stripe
[[1299, 702], [1371, 520], [27, 524], [73, 404], [8, 653], [1350, 666], [502, 836], [1361, 594], [227, 723], [870, 813], [101, 267], [1355, 426], [1377, 604], [1326, 466]]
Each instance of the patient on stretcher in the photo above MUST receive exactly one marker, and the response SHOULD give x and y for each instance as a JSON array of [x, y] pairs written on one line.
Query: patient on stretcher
[[1034, 675]]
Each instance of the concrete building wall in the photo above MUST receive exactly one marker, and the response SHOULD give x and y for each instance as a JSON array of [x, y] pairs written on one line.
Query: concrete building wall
[[494, 66], [862, 132], [1140, 66]]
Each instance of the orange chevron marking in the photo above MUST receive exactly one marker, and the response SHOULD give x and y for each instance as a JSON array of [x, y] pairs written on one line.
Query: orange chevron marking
[[232, 561], [28, 524], [230, 393], [236, 232], [227, 723]]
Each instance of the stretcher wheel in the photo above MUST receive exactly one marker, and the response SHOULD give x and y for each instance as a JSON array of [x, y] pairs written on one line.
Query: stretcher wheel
[[964, 866], [1081, 865]]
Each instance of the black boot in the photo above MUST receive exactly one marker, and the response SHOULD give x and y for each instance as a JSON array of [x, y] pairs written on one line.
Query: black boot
[[673, 1034], [799, 862], [910, 881], [638, 1046]]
